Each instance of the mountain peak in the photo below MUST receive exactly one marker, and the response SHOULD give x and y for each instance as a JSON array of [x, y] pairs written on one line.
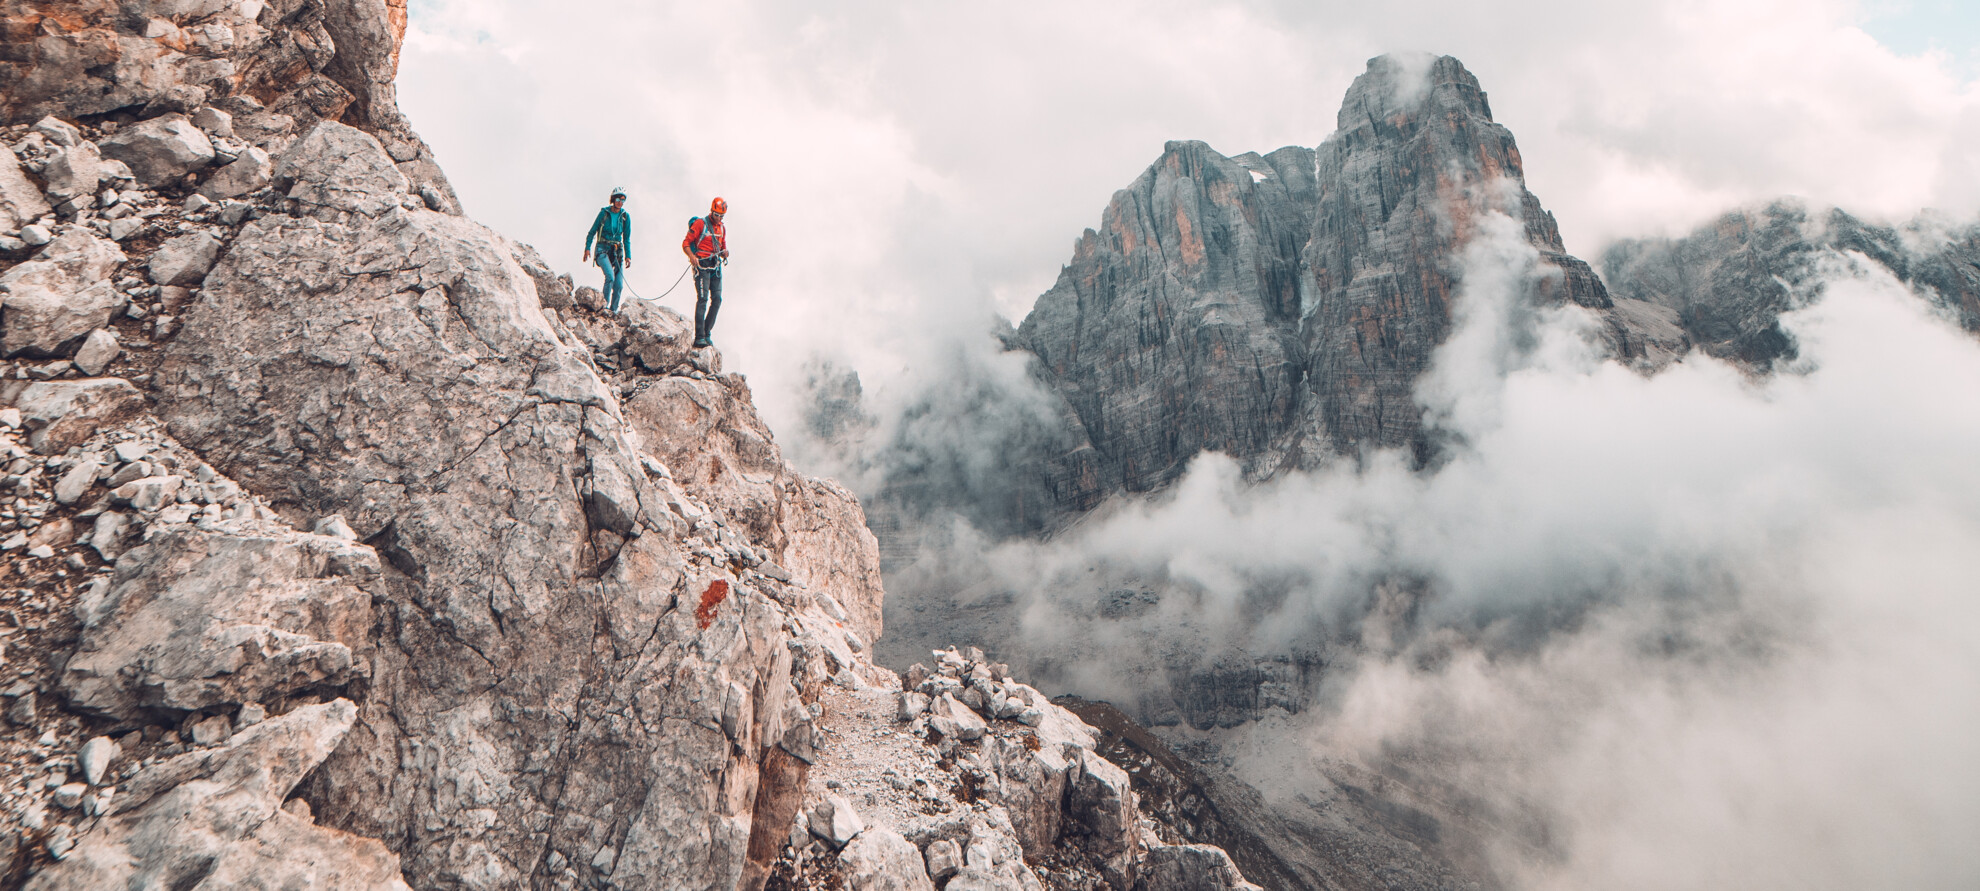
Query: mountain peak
[[1411, 84]]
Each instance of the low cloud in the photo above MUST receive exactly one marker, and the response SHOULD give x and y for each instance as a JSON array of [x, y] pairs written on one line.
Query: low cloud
[[1706, 630]]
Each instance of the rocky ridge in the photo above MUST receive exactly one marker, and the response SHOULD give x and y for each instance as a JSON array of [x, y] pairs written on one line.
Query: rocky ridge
[[562, 616]]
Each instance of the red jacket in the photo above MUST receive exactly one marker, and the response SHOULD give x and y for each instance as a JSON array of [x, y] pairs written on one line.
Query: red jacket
[[706, 239]]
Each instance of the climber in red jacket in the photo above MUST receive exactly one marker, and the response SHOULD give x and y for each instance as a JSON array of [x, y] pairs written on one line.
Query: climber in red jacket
[[707, 247]]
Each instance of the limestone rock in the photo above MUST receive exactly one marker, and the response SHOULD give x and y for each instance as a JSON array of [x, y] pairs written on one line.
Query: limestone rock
[[196, 620], [61, 295], [98, 350], [1101, 801], [835, 821], [184, 261], [216, 813], [214, 121], [60, 414], [58, 131], [95, 758], [954, 719], [73, 172], [161, 150], [76, 481], [943, 859], [249, 173], [1190, 866], [20, 202], [150, 493], [881, 860], [335, 168]]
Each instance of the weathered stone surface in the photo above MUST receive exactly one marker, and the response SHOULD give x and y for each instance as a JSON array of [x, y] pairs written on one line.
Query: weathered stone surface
[[954, 719], [184, 261], [215, 815], [398, 369], [161, 150], [60, 414], [1102, 803], [98, 350], [881, 860], [20, 202], [1190, 866], [194, 620], [59, 296], [76, 481], [249, 173], [73, 172], [338, 169], [835, 821], [58, 131]]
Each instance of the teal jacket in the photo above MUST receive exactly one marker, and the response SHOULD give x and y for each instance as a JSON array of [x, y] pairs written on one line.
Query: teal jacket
[[611, 227]]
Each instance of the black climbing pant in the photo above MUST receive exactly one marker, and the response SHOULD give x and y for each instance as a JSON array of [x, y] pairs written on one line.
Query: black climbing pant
[[707, 299]]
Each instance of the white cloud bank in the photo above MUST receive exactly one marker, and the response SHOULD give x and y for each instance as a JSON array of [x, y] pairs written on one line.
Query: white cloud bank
[[1713, 632]]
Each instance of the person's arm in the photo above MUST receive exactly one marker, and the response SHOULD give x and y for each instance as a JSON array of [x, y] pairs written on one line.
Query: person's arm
[[626, 245], [596, 223], [687, 244]]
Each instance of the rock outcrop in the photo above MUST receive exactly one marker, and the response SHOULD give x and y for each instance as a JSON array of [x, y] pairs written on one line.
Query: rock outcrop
[[1729, 282], [1281, 308]]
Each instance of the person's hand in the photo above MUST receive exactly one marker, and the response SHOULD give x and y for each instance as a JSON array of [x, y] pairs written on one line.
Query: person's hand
[[725, 253], [587, 257], [628, 262]]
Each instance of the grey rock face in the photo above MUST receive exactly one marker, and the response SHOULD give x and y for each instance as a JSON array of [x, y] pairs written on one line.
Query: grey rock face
[[1276, 308], [161, 150], [1728, 282], [337, 169], [548, 651]]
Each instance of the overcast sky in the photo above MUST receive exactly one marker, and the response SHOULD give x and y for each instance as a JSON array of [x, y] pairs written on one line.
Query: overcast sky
[[899, 171]]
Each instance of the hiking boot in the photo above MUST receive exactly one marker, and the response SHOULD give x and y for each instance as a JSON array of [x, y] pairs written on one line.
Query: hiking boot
[[702, 342]]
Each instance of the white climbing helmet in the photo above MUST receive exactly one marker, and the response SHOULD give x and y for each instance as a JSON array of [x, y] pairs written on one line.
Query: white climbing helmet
[[618, 192]]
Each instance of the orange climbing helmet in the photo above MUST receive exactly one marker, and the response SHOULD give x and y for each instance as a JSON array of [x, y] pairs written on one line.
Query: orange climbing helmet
[[718, 206]]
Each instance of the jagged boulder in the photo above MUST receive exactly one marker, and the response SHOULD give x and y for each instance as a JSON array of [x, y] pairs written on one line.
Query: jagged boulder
[[183, 261], [249, 173], [61, 295], [881, 860], [20, 202], [336, 169], [73, 172], [194, 620], [61, 414], [161, 150], [1198, 867], [212, 817]]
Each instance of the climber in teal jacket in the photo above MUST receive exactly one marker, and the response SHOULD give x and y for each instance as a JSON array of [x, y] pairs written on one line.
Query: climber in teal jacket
[[613, 229]]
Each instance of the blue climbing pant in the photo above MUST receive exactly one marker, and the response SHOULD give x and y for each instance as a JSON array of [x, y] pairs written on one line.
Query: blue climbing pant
[[615, 275]]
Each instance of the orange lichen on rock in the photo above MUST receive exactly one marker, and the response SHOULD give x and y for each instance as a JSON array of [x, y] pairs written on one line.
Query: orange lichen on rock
[[718, 590]]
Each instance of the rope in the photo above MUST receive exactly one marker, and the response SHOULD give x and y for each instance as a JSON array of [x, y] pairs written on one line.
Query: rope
[[663, 294]]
